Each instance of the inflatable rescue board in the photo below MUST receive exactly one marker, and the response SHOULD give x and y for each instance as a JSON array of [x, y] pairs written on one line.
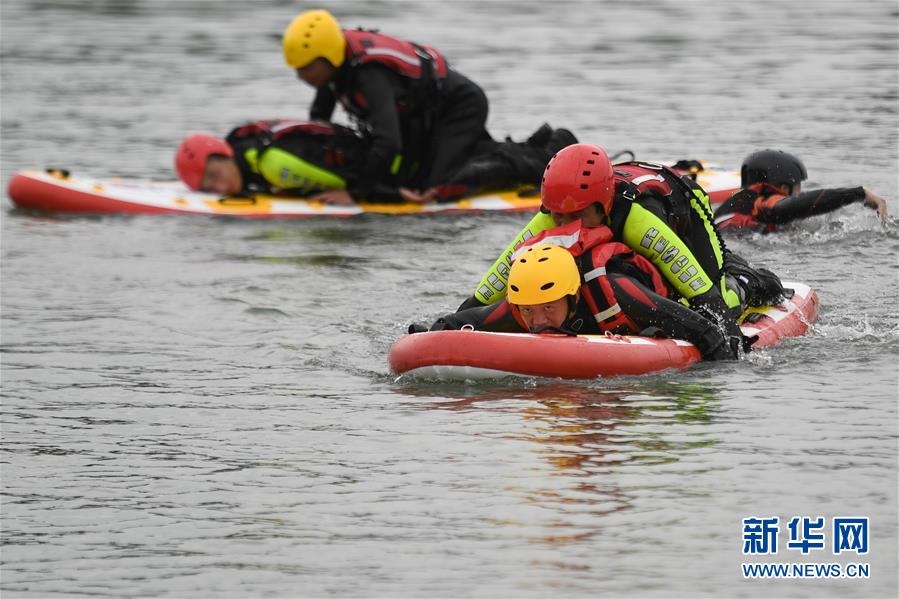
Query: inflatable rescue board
[[57, 191], [468, 354]]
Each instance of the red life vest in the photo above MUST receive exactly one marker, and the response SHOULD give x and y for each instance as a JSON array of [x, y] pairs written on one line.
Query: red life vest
[[646, 177], [406, 58], [279, 127], [424, 66], [592, 248], [767, 202], [661, 181], [742, 209]]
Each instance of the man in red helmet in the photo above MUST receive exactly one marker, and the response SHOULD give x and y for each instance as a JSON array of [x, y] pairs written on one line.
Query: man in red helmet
[[312, 158], [772, 195], [268, 156], [656, 212]]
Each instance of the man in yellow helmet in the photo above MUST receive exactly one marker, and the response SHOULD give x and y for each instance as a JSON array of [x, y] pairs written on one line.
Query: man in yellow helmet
[[592, 285], [424, 118]]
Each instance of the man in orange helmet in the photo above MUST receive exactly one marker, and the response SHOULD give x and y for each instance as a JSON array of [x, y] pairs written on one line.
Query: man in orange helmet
[[592, 285]]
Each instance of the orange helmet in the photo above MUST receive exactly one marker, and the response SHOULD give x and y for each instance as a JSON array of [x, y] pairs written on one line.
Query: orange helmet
[[576, 177], [192, 154]]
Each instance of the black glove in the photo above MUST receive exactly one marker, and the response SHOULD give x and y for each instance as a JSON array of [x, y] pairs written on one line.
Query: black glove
[[715, 345], [442, 325], [711, 305], [732, 341]]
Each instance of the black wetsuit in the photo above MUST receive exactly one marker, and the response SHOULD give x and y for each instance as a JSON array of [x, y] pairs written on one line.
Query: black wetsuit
[[336, 149], [434, 127], [341, 151], [757, 209]]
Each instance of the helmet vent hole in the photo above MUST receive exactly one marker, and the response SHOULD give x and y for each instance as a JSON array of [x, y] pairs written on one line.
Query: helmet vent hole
[[546, 286], [515, 288], [591, 161], [543, 259], [584, 186]]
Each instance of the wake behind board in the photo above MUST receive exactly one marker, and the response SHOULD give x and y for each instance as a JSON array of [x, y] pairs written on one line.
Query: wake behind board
[[460, 355], [58, 192]]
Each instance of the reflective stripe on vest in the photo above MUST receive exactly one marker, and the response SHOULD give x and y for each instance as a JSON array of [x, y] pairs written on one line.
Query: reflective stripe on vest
[[638, 180], [596, 272], [403, 57], [566, 241], [607, 314], [647, 176], [597, 290]]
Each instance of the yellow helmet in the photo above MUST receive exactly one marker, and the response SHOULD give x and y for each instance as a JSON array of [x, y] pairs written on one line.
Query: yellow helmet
[[314, 34], [543, 273]]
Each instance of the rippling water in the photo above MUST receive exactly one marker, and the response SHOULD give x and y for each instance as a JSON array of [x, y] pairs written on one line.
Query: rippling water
[[202, 407]]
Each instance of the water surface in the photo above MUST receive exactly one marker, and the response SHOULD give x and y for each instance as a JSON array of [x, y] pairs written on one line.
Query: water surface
[[202, 407]]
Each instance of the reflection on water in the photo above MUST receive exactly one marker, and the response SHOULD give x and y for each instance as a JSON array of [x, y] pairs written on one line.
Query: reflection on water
[[317, 260], [201, 407], [586, 435]]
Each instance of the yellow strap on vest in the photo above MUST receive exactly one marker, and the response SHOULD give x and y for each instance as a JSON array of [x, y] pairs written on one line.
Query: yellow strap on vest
[[396, 164], [701, 205], [652, 238]]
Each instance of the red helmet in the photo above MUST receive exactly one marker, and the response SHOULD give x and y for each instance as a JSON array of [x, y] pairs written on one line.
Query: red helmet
[[192, 154], [577, 176]]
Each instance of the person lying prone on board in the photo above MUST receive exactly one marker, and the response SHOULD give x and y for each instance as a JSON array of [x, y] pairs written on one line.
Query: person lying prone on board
[[659, 214], [772, 195], [593, 286], [305, 158]]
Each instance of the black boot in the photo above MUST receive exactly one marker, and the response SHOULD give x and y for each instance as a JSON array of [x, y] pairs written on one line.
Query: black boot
[[761, 286], [541, 136], [560, 138]]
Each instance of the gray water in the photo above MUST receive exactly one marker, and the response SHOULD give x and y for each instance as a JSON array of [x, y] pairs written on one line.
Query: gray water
[[199, 407]]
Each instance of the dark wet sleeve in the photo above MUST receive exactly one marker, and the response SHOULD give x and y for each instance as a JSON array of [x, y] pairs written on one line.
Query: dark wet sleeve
[[809, 203], [379, 89], [322, 108], [495, 317], [649, 310]]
